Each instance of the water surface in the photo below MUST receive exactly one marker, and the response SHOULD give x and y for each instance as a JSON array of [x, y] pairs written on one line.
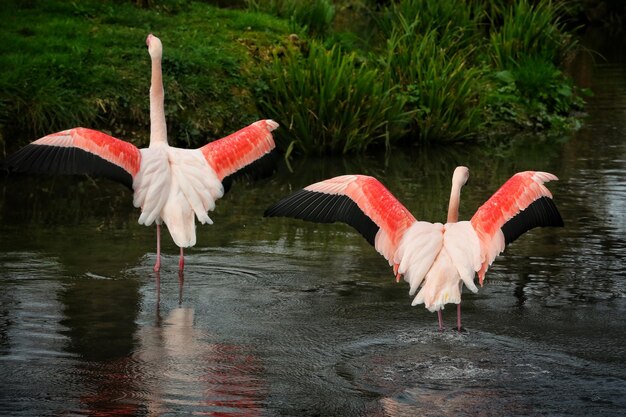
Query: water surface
[[279, 317]]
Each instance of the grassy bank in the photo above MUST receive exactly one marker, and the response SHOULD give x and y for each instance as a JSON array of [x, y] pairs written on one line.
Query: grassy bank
[[462, 70], [340, 77], [65, 64]]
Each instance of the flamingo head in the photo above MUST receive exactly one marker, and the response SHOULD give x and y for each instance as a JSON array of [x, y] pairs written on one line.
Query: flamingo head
[[460, 177], [155, 48]]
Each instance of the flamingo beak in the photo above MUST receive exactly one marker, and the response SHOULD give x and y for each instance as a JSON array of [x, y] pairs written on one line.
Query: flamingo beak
[[148, 39]]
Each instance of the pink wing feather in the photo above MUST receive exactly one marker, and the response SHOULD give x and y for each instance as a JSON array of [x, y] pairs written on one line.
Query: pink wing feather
[[79, 151], [325, 201], [240, 149], [377, 203], [525, 193]]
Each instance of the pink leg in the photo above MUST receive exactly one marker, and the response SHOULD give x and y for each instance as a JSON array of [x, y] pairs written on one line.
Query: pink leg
[[458, 316], [181, 261], [439, 316], [157, 265]]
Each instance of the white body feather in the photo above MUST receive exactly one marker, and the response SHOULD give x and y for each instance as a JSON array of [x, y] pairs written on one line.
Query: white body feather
[[439, 258], [172, 186]]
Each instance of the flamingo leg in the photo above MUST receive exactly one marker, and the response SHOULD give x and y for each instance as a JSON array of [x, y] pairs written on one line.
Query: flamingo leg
[[157, 265], [458, 316], [181, 261], [440, 318]]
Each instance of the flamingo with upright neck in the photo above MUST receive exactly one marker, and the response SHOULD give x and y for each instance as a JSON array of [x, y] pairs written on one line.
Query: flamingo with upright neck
[[434, 258], [171, 185]]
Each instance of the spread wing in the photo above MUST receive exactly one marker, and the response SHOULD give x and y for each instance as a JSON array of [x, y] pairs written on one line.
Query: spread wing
[[248, 151], [521, 204], [78, 151], [360, 201]]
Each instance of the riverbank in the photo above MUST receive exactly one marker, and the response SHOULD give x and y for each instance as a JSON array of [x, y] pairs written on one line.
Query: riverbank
[[340, 78]]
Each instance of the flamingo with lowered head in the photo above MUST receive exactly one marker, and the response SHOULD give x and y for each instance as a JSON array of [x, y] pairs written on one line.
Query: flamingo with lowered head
[[170, 185], [435, 258]]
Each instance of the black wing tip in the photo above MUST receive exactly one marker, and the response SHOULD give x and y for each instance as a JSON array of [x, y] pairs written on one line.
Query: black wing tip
[[47, 159], [277, 209], [270, 211], [540, 213], [320, 207], [258, 169]]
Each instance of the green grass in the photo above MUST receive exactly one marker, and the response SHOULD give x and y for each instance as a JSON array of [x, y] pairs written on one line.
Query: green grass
[[85, 63], [534, 95], [312, 16], [329, 102], [442, 85], [340, 76], [529, 30], [452, 23]]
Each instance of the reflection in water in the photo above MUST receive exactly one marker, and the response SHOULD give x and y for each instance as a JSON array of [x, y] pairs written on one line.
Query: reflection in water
[[97, 313], [100, 321], [185, 373], [181, 284], [76, 345], [174, 370]]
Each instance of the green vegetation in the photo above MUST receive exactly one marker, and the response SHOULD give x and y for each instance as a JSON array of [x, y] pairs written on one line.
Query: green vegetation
[[529, 31], [442, 89], [526, 49], [334, 103], [462, 70], [312, 16], [66, 64], [340, 77]]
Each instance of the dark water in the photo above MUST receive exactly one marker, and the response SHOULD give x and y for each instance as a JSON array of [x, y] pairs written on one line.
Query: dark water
[[279, 317]]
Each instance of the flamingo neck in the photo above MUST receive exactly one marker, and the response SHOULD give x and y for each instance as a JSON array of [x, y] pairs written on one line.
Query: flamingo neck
[[453, 206], [158, 128]]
